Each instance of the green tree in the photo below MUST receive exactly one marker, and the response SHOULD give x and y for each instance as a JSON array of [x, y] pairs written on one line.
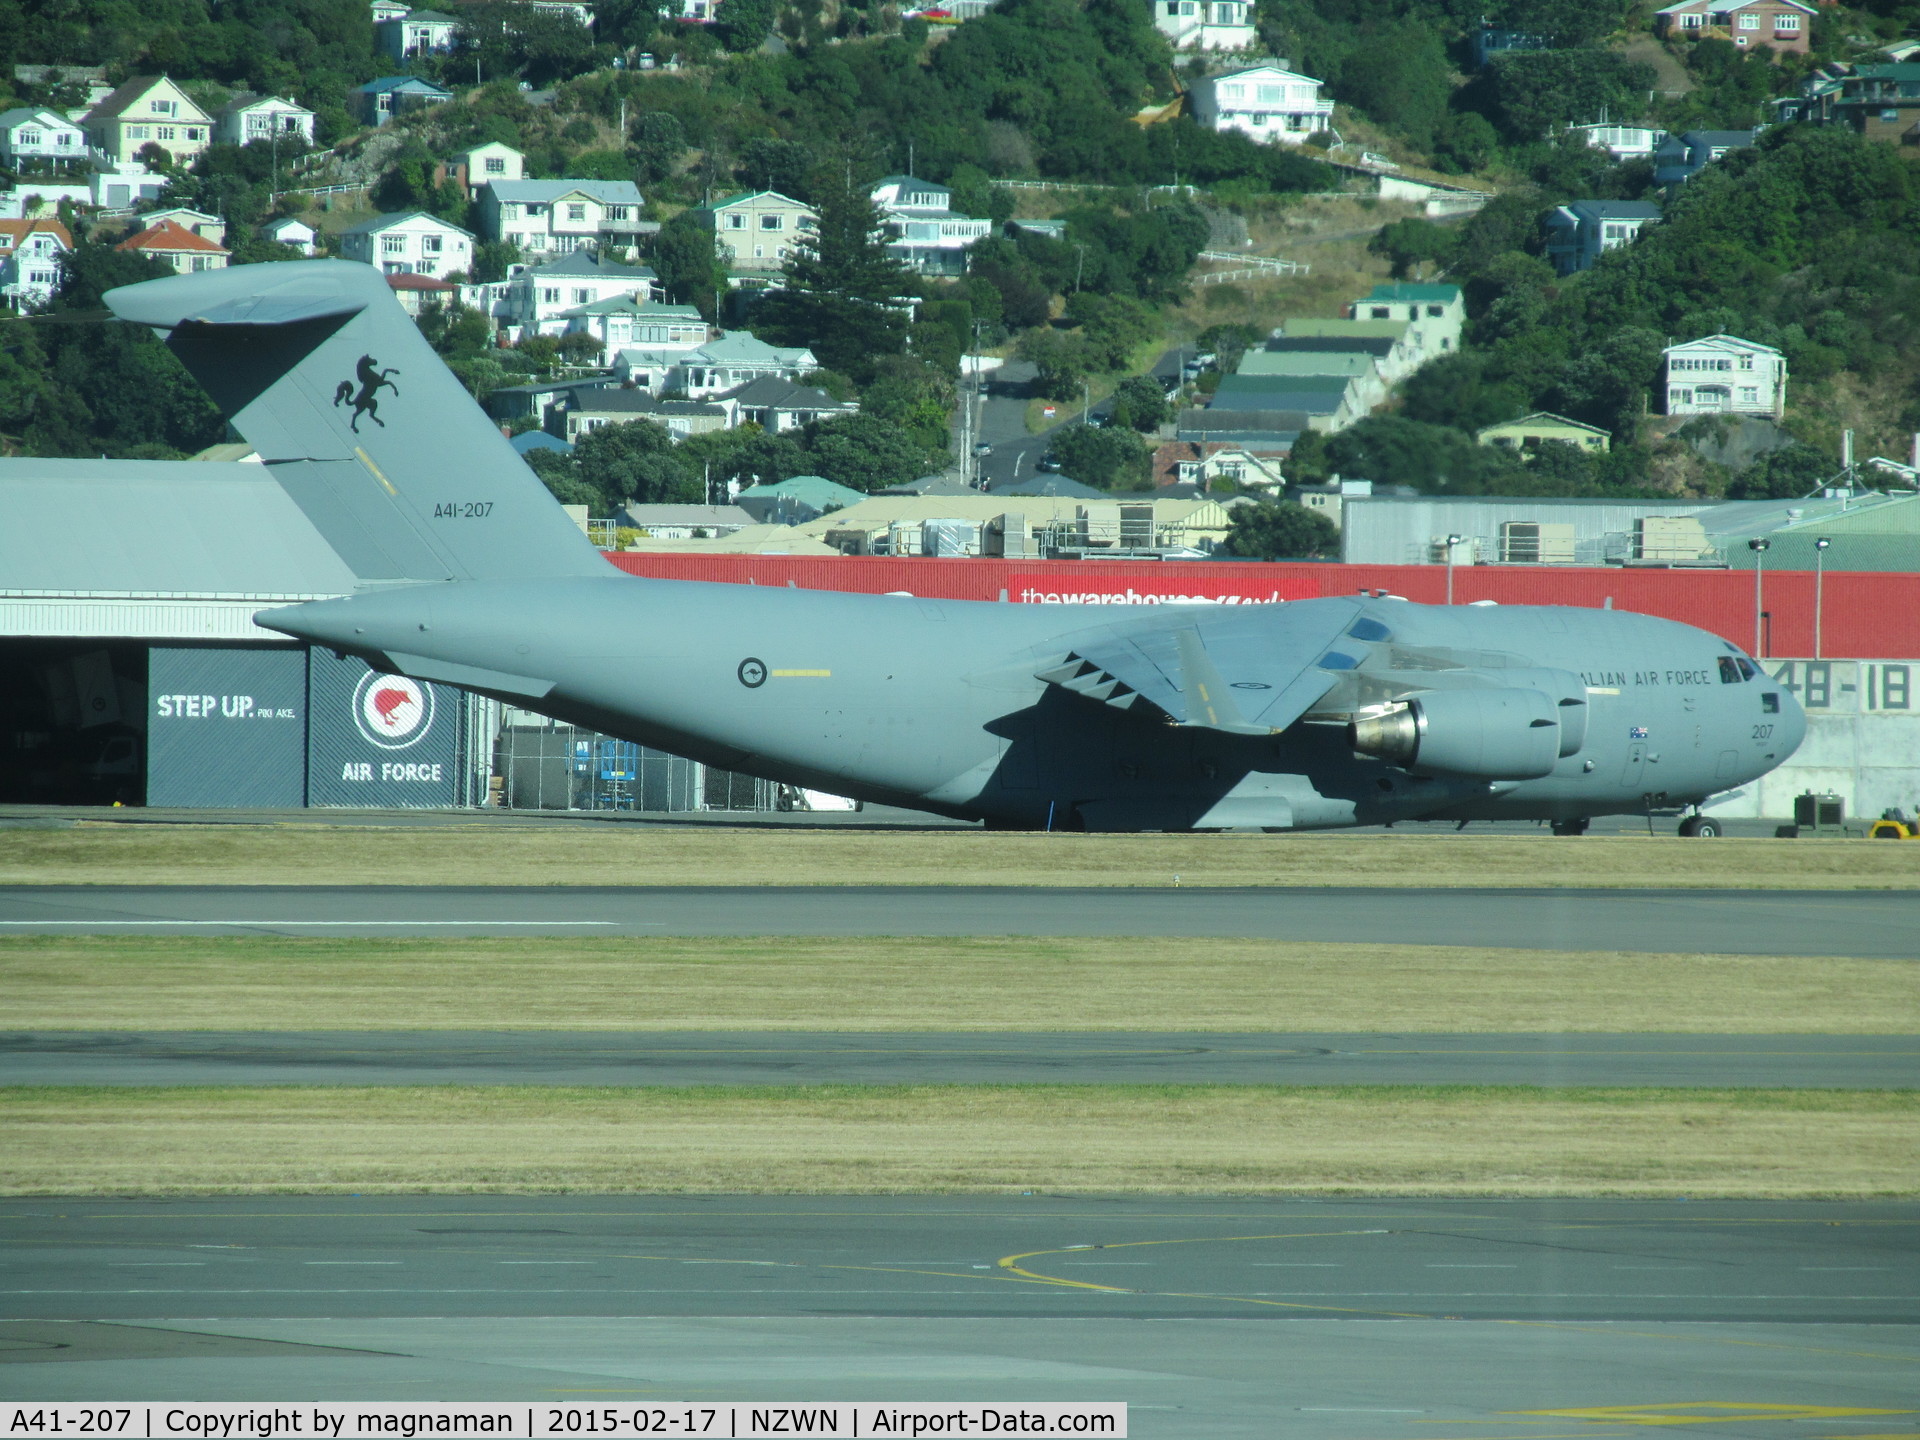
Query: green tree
[[1784, 474], [1140, 403], [865, 452], [688, 264], [1279, 530], [1413, 242], [657, 142], [743, 25], [1400, 78], [1107, 459]]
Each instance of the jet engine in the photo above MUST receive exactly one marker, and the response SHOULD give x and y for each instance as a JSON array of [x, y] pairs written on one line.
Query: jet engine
[[1488, 734]]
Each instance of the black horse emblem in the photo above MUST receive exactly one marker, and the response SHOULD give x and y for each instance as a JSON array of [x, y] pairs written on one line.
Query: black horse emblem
[[372, 380]]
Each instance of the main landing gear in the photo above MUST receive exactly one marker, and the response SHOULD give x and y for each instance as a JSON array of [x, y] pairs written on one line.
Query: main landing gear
[[1570, 827], [1701, 827]]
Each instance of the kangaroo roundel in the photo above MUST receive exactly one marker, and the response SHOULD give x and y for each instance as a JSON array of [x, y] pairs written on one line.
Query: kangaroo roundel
[[392, 711]]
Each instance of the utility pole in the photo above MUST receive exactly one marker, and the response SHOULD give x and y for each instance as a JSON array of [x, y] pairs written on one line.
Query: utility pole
[[1819, 586], [1452, 540], [1759, 548]]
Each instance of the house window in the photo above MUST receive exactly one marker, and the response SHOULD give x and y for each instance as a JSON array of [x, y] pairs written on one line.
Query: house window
[[1786, 24], [1749, 395], [163, 132], [583, 297], [1380, 312], [736, 222], [163, 107], [393, 244], [576, 212], [496, 165], [430, 244], [194, 132], [616, 212], [136, 132], [550, 295], [1749, 22], [1692, 22], [769, 222], [1433, 312], [29, 137]]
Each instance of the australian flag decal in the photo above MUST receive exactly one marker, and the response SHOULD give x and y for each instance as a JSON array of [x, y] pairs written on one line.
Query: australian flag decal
[[1638, 732]]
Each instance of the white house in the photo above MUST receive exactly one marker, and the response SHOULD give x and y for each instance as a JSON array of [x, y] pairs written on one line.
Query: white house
[[735, 358], [756, 230], [417, 32], [1266, 102], [177, 246], [148, 110], [1581, 231], [388, 9], [30, 252], [780, 405], [483, 164], [534, 298], [413, 243], [627, 323], [123, 186], [923, 230], [1205, 24], [208, 227], [31, 135], [247, 118], [32, 199], [1724, 374], [292, 231], [557, 217], [1622, 142], [1435, 314]]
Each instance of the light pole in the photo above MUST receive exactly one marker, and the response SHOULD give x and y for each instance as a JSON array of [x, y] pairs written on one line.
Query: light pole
[[1086, 399], [1819, 577], [1759, 548], [1452, 540]]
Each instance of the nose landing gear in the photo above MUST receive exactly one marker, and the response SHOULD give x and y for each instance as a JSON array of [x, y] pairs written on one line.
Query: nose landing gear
[[1570, 827]]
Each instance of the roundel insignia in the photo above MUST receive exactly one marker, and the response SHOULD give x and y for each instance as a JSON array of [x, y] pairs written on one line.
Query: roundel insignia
[[392, 711], [753, 673], [1250, 685]]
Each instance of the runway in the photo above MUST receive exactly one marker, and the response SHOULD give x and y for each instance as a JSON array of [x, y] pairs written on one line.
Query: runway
[[1870, 924], [1385, 1318], [545, 1057]]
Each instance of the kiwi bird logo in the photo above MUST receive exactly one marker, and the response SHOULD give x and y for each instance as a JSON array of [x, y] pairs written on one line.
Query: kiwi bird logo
[[372, 380]]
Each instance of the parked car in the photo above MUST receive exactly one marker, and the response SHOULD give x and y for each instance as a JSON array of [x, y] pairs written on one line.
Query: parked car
[[1049, 462], [983, 448]]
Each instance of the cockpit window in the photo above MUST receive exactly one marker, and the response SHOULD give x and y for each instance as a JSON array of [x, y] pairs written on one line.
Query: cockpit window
[[1729, 672], [1748, 670]]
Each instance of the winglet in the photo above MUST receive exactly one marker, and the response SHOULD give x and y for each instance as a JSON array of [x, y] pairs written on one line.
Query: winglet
[[1210, 702]]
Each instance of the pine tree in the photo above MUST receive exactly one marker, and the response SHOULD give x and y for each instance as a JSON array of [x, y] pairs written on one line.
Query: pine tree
[[846, 254]]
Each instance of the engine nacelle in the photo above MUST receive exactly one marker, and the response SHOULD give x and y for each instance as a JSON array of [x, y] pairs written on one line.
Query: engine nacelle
[[1488, 734], [1569, 695]]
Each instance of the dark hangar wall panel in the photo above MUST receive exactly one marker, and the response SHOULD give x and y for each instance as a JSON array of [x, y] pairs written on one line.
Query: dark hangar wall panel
[[226, 726], [380, 740]]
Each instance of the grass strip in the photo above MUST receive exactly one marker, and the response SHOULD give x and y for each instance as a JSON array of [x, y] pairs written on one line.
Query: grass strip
[[271, 983], [1487, 1141], [99, 853]]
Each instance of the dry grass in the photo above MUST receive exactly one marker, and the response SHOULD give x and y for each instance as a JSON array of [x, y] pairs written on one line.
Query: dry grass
[[132, 983], [1747, 1144], [314, 853]]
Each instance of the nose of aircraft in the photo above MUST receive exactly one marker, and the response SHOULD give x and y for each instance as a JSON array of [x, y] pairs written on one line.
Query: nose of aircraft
[[1792, 726]]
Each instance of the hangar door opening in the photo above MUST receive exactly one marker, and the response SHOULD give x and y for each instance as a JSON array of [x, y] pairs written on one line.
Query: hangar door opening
[[72, 722]]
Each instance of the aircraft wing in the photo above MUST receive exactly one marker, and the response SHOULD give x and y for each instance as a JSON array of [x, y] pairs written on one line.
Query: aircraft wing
[[1247, 671]]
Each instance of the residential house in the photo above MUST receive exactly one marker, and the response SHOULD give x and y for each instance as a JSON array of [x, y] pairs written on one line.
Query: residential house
[[1581, 231], [378, 101], [416, 32], [412, 243], [1489, 41], [1263, 431], [796, 500], [1879, 102], [1360, 371], [123, 186], [419, 293], [557, 217], [696, 12], [207, 227], [483, 164], [586, 410], [40, 199], [541, 401], [1331, 498], [293, 232], [1436, 314], [686, 522], [1329, 399], [778, 405], [1530, 432], [1205, 24], [1201, 463], [1679, 158], [247, 118], [756, 230], [735, 358], [1267, 102], [32, 136], [1622, 142], [923, 230], [1402, 356], [534, 299], [30, 252], [148, 110], [179, 247], [1723, 374], [1786, 25], [627, 323], [388, 9]]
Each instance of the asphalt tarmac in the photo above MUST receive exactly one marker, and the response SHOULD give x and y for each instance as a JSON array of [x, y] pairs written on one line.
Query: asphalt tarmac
[[1872, 924], [1384, 1318], [546, 1057]]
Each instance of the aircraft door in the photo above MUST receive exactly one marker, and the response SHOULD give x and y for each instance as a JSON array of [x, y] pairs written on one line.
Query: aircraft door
[[1635, 768]]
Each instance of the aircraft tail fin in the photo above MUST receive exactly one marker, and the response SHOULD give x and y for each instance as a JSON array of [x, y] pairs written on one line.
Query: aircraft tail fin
[[315, 363]]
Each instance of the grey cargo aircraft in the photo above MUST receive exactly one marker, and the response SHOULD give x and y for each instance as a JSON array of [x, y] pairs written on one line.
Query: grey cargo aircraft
[[1311, 714]]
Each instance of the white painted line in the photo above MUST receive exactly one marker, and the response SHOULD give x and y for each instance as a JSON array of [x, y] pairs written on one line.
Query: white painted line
[[545, 1262], [1471, 1267], [349, 1262], [312, 924]]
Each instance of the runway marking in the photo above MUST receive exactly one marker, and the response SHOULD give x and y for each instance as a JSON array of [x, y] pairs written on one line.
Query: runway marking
[[1704, 1412], [327, 924]]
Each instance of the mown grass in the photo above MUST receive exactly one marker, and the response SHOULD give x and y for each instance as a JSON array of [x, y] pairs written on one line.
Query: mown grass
[[1155, 1139], [480, 854], [269, 983]]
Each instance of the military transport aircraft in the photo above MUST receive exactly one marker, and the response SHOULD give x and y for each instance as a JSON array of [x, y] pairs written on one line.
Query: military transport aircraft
[[1304, 715]]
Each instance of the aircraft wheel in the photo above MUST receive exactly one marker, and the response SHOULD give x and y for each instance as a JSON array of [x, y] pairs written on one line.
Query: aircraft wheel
[[1570, 827], [1700, 827]]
